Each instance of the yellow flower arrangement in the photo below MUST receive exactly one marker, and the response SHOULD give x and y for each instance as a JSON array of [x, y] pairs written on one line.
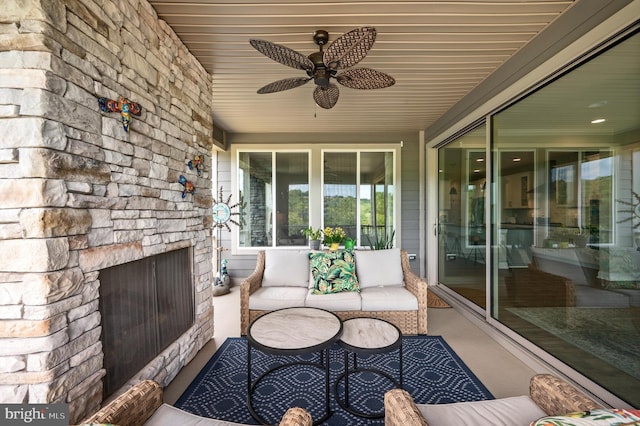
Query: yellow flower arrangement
[[333, 235]]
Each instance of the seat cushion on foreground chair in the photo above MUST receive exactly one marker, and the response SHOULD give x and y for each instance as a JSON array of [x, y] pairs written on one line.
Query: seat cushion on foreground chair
[[168, 415], [517, 410]]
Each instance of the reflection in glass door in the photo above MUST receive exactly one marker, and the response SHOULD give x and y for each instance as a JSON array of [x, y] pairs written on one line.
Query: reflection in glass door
[[461, 218]]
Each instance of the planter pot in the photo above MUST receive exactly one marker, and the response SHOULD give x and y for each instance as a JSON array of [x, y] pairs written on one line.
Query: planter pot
[[334, 246], [314, 244]]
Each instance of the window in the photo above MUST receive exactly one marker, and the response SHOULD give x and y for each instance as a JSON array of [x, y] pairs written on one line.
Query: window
[[274, 187], [580, 193], [287, 190], [358, 195]]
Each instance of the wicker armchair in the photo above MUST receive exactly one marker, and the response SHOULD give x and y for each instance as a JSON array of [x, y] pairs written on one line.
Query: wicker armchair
[[409, 322], [135, 406], [552, 394]]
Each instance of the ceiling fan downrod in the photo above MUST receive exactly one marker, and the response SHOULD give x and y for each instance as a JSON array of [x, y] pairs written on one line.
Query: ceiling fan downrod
[[320, 74]]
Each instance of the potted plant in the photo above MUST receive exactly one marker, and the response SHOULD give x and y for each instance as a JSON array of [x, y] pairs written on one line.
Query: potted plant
[[314, 236], [333, 237], [381, 242]]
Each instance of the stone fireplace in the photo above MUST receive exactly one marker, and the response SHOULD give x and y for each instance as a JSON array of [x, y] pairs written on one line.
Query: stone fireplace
[[79, 194]]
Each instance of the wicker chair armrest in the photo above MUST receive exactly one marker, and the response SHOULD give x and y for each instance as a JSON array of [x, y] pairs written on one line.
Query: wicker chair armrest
[[556, 396], [249, 286], [132, 408], [296, 416], [401, 410], [418, 287]]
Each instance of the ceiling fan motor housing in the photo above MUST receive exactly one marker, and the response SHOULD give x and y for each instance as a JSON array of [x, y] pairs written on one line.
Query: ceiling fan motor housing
[[320, 73]]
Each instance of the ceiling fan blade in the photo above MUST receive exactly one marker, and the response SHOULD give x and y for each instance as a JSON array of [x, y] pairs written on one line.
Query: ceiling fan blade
[[284, 84], [365, 78], [350, 48], [326, 97], [282, 54]]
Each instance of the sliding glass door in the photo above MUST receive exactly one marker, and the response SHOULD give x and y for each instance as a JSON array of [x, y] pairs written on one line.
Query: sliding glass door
[[568, 219], [461, 216], [564, 228]]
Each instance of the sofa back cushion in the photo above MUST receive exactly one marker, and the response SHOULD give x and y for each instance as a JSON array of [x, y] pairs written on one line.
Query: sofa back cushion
[[286, 268], [377, 268]]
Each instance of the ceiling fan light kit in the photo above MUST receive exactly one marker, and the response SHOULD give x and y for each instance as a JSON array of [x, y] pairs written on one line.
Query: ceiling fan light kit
[[334, 62]]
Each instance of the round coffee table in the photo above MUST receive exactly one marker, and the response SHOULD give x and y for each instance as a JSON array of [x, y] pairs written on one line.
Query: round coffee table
[[367, 336], [293, 331]]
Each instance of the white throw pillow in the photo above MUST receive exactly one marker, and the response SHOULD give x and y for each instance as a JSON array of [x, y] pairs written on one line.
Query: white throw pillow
[[517, 410], [376, 268], [286, 268]]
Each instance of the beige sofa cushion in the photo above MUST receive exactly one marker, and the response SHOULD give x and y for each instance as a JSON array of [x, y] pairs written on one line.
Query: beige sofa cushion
[[388, 299], [286, 268], [343, 301], [379, 268], [272, 298], [517, 410], [169, 415]]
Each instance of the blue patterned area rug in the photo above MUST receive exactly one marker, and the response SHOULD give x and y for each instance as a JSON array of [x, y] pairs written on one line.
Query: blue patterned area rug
[[432, 373]]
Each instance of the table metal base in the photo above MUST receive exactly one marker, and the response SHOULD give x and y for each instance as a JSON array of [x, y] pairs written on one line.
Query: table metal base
[[344, 403], [322, 364]]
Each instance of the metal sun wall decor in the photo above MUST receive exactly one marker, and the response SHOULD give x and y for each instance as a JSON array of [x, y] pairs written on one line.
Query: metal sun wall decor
[[122, 105], [222, 213], [189, 187]]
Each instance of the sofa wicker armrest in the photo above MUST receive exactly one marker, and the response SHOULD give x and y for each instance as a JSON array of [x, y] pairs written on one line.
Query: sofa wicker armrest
[[418, 287], [296, 416], [401, 410], [132, 408], [556, 396], [249, 286]]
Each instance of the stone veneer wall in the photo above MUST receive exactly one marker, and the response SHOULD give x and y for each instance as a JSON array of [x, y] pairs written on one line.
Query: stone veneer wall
[[78, 193]]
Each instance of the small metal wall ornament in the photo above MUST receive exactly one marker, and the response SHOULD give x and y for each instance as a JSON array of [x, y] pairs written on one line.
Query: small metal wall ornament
[[197, 163], [189, 188], [122, 105]]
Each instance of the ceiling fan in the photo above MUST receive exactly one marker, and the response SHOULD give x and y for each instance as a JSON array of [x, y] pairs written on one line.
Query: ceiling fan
[[343, 53]]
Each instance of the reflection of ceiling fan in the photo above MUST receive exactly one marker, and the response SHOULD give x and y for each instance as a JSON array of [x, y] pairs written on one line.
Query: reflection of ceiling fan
[[343, 53]]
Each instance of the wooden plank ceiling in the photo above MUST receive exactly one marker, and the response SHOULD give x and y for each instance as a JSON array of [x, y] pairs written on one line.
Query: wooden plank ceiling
[[437, 51]]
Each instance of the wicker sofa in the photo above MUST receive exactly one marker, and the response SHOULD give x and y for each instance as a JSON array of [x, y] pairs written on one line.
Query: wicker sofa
[[548, 396], [142, 405], [404, 303]]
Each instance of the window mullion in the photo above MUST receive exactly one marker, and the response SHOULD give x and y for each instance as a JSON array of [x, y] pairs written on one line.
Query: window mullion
[[358, 198], [274, 200]]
